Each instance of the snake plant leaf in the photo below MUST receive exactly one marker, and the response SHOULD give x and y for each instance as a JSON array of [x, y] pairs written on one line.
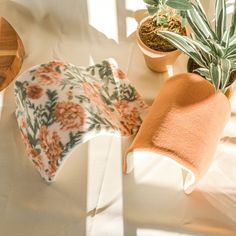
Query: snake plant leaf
[[231, 50], [232, 57], [215, 75], [183, 15], [220, 18], [179, 4], [232, 40], [214, 52], [218, 49], [198, 6], [198, 44], [233, 69], [232, 53], [233, 22], [183, 44], [225, 38], [226, 67], [203, 72], [202, 14], [199, 25], [152, 2], [204, 50]]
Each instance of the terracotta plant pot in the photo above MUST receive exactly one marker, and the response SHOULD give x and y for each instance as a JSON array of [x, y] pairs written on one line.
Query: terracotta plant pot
[[183, 125], [156, 60]]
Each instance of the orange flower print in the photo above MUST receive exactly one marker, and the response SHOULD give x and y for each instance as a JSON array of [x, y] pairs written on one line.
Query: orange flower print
[[48, 78], [129, 117], [141, 103], [118, 73], [49, 74], [54, 64], [23, 123], [33, 154], [97, 85], [92, 92], [34, 91], [36, 158], [70, 115], [50, 143]]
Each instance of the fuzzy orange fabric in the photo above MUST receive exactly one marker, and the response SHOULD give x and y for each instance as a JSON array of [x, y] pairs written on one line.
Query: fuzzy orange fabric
[[184, 124]]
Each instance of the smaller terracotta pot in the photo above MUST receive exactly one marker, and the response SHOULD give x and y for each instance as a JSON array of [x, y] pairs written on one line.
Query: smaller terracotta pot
[[156, 60], [183, 125]]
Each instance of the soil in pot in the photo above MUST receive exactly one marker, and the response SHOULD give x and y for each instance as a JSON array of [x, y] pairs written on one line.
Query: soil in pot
[[148, 34], [192, 65]]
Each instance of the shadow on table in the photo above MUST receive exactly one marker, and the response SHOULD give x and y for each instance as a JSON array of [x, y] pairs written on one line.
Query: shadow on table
[[158, 209], [147, 207]]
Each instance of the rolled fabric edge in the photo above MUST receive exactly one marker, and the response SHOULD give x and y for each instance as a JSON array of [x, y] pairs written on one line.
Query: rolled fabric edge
[[189, 182], [144, 142]]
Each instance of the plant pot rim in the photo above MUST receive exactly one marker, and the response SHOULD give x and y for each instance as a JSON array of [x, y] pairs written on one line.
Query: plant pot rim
[[145, 46]]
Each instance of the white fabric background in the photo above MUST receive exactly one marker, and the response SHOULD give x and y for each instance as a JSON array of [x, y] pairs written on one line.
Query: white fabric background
[[91, 196]]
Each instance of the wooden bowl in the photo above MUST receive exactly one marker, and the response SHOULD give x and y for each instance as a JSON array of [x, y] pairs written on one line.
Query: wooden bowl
[[11, 53]]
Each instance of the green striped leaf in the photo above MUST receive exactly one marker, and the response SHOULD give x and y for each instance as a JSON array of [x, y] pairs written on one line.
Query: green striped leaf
[[183, 15], [198, 24], [226, 70], [232, 56], [203, 72], [225, 38], [232, 40], [203, 40], [208, 57], [218, 49], [192, 36], [233, 21], [184, 45], [215, 75], [180, 5], [230, 50], [204, 50], [200, 9], [220, 18], [198, 44]]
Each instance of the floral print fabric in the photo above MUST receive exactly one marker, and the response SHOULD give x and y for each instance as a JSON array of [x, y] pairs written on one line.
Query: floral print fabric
[[60, 105]]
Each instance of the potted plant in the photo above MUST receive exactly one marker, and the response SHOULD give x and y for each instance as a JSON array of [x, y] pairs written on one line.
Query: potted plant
[[212, 50], [185, 122], [167, 15]]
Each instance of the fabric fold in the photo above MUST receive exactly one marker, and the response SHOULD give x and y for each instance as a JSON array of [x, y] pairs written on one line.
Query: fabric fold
[[183, 125], [60, 105]]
